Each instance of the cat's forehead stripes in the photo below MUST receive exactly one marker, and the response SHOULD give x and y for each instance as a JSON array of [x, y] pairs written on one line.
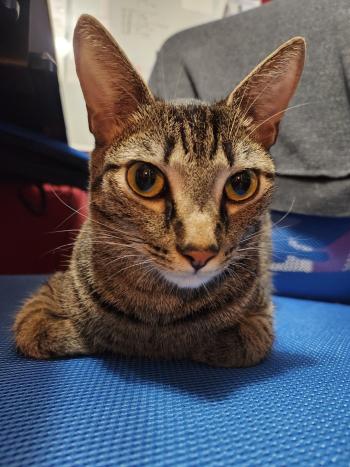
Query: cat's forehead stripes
[[195, 139], [228, 150], [199, 129], [169, 145], [202, 133]]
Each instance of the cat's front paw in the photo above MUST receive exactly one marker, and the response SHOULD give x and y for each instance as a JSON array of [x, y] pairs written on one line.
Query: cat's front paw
[[42, 332], [243, 345]]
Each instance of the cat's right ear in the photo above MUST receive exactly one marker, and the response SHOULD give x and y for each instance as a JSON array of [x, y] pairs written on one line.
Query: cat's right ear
[[112, 88], [263, 96]]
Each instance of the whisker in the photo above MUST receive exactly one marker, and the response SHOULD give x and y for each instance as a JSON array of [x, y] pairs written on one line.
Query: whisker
[[273, 224], [118, 258], [273, 116], [77, 211], [134, 265], [60, 247], [208, 294], [286, 214], [86, 217], [63, 231]]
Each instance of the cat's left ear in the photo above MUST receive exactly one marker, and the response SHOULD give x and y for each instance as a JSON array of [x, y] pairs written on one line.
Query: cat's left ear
[[264, 94], [112, 88]]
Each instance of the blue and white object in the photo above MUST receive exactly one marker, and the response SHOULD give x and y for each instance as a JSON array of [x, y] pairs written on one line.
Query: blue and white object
[[311, 256]]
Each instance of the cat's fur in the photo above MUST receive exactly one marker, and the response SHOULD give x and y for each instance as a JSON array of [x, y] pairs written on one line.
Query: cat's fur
[[129, 289]]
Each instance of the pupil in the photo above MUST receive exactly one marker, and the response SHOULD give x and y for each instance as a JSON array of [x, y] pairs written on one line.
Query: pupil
[[241, 183], [145, 177]]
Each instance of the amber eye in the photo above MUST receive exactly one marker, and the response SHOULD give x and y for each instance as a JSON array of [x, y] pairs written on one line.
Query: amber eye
[[242, 185], [145, 179]]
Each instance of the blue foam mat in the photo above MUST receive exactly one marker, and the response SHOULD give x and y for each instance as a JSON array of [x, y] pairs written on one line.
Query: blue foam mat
[[294, 409]]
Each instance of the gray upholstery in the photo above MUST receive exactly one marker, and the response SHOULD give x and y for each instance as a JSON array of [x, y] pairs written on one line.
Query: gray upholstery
[[313, 150]]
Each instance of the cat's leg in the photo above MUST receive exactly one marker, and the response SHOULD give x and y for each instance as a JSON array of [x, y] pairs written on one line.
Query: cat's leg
[[245, 344], [43, 330]]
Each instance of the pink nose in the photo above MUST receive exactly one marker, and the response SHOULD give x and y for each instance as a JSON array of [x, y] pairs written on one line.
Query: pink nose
[[199, 258]]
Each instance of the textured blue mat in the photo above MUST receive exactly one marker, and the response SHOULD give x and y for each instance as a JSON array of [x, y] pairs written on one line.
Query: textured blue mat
[[294, 409]]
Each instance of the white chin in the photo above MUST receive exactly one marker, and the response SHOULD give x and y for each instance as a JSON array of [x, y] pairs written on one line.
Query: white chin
[[188, 280]]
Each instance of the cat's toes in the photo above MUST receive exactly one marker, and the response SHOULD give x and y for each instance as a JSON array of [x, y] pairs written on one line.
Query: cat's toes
[[256, 335], [43, 334], [243, 345]]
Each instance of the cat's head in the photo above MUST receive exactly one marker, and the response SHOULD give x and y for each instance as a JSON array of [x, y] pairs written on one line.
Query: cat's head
[[176, 187]]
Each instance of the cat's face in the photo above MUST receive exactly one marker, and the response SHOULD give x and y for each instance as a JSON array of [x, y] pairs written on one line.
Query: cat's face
[[176, 184], [180, 185]]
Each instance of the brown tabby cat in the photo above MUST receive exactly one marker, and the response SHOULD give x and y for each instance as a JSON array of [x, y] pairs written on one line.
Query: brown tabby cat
[[172, 261]]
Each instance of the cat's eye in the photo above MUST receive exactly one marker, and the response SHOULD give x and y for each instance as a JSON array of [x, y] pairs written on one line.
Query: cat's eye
[[145, 179], [242, 186]]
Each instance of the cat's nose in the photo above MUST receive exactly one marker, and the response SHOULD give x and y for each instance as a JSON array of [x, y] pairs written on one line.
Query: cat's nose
[[199, 258]]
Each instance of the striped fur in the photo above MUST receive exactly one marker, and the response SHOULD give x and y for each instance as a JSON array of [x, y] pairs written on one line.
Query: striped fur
[[128, 289]]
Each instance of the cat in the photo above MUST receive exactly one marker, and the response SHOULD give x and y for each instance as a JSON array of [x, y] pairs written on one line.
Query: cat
[[173, 259]]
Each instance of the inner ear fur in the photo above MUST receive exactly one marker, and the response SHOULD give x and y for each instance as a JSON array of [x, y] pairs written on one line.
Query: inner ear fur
[[263, 96], [112, 88]]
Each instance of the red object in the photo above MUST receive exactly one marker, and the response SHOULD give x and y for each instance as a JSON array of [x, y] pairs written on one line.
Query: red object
[[39, 224]]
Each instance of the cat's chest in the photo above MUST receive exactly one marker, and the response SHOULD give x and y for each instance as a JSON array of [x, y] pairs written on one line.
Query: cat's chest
[[137, 338]]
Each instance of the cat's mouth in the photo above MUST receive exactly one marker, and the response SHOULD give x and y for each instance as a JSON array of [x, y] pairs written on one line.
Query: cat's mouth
[[189, 280]]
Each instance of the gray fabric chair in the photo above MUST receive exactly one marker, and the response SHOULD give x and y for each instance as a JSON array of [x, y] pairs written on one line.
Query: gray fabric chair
[[312, 153]]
